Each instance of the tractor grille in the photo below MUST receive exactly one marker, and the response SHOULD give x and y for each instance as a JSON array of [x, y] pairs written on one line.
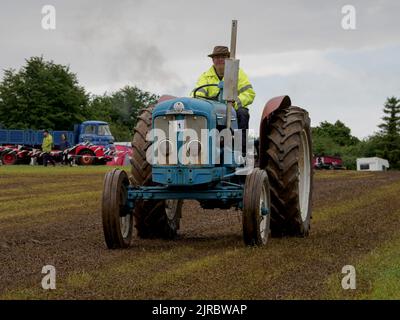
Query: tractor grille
[[183, 131]]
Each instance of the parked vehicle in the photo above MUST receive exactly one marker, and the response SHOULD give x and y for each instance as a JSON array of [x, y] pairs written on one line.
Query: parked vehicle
[[92, 142], [122, 155], [328, 162], [372, 164]]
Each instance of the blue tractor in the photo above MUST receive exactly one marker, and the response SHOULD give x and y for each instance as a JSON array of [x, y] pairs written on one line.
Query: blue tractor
[[274, 196], [183, 148]]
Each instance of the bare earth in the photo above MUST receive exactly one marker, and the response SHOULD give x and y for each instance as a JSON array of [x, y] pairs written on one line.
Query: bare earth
[[55, 219]]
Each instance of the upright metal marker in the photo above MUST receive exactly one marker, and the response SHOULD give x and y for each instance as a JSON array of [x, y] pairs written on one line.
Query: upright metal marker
[[233, 39], [231, 76]]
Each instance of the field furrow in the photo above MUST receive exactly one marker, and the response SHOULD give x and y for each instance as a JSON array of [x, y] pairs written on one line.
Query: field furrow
[[55, 219]]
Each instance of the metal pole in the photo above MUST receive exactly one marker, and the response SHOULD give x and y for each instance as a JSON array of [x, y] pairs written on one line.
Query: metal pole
[[233, 39], [232, 56]]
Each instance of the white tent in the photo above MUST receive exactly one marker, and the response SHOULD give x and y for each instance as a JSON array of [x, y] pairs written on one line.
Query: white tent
[[372, 164]]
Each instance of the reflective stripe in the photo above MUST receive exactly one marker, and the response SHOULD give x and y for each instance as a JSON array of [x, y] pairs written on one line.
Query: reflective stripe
[[249, 86]]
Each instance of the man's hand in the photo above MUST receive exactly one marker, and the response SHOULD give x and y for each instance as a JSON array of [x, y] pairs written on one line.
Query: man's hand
[[234, 105]]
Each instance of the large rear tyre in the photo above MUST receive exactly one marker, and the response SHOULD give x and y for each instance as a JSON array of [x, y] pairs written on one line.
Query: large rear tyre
[[256, 208], [153, 218], [289, 168], [117, 216]]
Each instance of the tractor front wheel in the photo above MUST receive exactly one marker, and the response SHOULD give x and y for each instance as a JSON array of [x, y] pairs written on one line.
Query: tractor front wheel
[[117, 216], [256, 208]]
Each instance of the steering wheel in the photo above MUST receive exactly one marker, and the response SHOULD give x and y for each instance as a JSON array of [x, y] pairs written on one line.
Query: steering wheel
[[207, 85]]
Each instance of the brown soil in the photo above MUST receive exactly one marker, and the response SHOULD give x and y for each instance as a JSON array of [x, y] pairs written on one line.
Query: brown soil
[[207, 261]]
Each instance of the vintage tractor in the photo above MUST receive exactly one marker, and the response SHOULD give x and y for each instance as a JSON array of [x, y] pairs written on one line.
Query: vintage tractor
[[181, 150]]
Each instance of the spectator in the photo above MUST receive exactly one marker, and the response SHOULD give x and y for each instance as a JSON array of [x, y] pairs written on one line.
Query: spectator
[[47, 145], [64, 146]]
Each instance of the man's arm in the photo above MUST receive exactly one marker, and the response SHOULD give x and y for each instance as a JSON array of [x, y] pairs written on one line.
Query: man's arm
[[201, 82], [246, 93]]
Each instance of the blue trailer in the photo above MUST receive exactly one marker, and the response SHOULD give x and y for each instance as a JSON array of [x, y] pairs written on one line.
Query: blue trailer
[[16, 145], [95, 132]]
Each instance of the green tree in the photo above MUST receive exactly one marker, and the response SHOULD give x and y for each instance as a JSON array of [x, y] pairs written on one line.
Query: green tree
[[121, 109], [389, 144], [323, 145], [128, 101], [391, 121], [336, 140], [337, 132], [40, 95]]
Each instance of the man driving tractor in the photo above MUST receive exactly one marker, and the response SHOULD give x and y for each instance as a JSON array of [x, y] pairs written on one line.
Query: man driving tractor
[[215, 74]]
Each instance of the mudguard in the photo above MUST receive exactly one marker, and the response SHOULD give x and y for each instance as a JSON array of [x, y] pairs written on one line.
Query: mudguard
[[272, 105], [165, 97]]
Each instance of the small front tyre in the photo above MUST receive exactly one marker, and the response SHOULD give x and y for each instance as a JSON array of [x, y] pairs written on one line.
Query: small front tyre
[[256, 208], [117, 216]]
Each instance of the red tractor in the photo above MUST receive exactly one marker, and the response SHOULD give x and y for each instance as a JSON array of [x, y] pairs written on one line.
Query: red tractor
[[328, 162]]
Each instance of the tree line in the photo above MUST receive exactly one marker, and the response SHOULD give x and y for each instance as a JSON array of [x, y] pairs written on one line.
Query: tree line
[[46, 95], [336, 139]]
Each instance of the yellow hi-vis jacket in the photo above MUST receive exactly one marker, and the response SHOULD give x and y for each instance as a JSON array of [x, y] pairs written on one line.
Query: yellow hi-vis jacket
[[246, 93], [47, 144]]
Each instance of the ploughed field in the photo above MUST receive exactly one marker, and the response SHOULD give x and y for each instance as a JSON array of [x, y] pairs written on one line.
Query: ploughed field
[[51, 216]]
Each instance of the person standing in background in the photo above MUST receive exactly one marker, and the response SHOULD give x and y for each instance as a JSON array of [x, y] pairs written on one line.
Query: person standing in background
[[64, 145], [47, 145]]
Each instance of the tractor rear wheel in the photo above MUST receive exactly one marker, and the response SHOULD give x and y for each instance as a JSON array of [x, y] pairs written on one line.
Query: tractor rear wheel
[[289, 168], [256, 208], [116, 215], [153, 218]]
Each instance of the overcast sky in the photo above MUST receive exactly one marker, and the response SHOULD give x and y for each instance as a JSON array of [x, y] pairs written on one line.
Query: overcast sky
[[297, 48]]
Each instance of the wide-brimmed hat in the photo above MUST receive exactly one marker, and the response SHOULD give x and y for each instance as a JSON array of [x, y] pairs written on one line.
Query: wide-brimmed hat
[[220, 51]]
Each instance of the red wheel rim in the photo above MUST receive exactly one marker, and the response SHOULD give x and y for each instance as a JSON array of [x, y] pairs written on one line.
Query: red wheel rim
[[86, 158], [9, 159]]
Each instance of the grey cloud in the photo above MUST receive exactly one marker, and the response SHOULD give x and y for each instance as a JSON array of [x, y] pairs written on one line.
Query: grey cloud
[[112, 43], [103, 43]]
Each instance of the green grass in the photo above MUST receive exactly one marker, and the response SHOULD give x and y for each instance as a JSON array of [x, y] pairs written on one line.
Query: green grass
[[189, 268], [16, 170], [386, 191], [338, 174], [14, 208], [377, 275]]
